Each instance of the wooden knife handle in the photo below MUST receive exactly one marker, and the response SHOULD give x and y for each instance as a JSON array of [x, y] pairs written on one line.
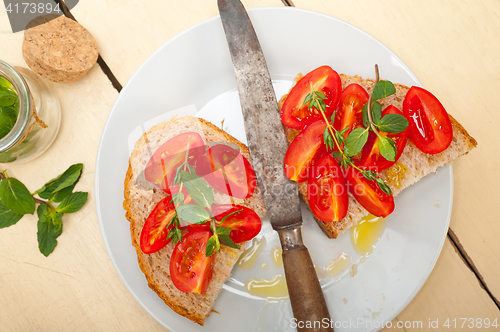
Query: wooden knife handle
[[307, 299]]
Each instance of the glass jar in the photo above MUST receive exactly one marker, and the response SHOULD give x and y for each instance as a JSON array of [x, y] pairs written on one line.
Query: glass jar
[[38, 120]]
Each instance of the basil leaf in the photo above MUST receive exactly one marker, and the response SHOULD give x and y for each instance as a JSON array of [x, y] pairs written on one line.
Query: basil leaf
[[198, 189], [376, 112], [66, 179], [193, 214], [393, 123], [387, 148], [49, 230], [16, 196], [385, 188], [213, 244], [355, 141], [72, 203], [383, 89], [226, 240], [8, 217]]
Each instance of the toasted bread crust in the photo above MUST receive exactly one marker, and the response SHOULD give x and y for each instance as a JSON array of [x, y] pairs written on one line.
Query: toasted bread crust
[[412, 166], [139, 203]]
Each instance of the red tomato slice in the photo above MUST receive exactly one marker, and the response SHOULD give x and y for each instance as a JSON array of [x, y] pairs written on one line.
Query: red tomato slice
[[327, 191], [190, 268], [304, 150], [155, 230], [161, 168], [350, 113], [324, 79], [243, 222], [430, 126], [227, 171], [371, 157], [369, 194]]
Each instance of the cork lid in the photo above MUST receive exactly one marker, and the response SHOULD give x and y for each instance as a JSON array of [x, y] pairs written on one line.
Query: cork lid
[[58, 48]]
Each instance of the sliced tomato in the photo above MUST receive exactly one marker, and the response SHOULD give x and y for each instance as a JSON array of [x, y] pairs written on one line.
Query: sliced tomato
[[371, 158], [429, 123], [323, 79], [243, 222], [350, 112], [369, 194], [190, 268], [155, 230], [304, 150], [227, 171], [327, 190], [161, 168]]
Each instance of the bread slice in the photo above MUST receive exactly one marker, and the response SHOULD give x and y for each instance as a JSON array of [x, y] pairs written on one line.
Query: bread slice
[[412, 166], [140, 199]]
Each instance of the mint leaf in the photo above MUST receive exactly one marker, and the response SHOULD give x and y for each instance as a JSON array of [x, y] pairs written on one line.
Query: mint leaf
[[59, 195], [383, 89], [66, 179], [193, 214], [198, 189], [385, 188], [387, 147], [393, 123], [223, 230], [226, 240], [213, 244], [376, 112], [366, 121], [72, 203], [355, 141], [7, 97], [5, 83], [15, 196], [175, 234], [49, 229], [8, 118], [369, 174], [8, 217]]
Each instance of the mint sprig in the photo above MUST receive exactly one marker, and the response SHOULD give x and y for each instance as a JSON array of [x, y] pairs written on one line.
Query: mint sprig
[[200, 212], [357, 138], [16, 201]]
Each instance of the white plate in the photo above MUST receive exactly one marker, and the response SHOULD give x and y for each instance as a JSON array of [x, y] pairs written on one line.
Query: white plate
[[192, 74]]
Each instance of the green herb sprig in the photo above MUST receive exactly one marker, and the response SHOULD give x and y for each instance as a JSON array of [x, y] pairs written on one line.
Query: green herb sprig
[[202, 194], [372, 121], [17, 201], [9, 106]]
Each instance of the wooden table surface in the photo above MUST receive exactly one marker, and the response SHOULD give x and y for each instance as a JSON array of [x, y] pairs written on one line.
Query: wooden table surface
[[453, 47]]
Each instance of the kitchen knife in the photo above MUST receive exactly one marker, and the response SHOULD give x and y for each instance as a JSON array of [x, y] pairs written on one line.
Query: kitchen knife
[[268, 145]]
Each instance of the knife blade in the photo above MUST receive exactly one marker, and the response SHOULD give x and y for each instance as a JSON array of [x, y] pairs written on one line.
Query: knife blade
[[268, 145]]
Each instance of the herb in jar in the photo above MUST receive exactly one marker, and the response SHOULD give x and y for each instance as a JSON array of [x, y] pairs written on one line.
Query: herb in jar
[[9, 106]]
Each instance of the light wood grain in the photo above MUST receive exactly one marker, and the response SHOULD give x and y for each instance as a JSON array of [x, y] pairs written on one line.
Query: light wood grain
[[125, 45], [452, 291], [452, 48]]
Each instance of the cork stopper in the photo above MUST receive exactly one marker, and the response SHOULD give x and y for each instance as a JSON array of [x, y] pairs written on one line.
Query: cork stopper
[[58, 48]]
